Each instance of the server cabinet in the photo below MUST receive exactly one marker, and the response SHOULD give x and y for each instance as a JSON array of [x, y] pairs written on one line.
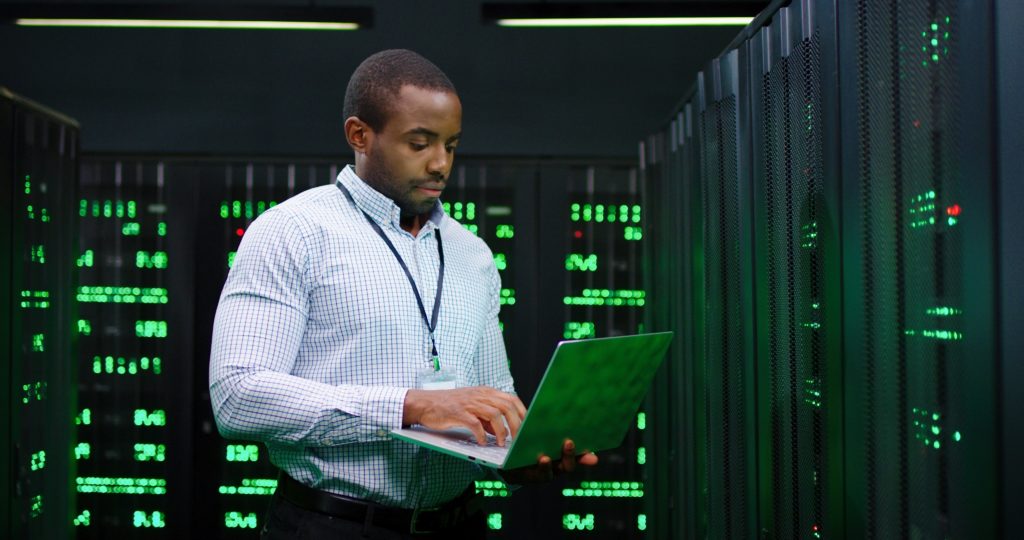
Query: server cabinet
[[38, 175], [728, 314], [919, 262], [797, 251]]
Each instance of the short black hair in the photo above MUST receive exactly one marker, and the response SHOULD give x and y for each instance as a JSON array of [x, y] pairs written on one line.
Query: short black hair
[[381, 77]]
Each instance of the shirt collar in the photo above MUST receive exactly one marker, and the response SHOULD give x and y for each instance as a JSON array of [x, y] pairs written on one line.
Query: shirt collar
[[378, 206]]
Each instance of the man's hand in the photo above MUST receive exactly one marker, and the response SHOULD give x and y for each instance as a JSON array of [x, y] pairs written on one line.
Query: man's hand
[[481, 409], [546, 469]]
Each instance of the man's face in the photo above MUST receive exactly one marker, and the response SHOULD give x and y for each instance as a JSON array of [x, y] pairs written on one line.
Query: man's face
[[410, 159]]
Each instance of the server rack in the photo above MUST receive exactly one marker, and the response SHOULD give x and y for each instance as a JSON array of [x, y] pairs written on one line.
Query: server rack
[[38, 174], [874, 136]]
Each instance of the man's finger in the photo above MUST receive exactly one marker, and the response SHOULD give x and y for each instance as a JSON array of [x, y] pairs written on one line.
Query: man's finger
[[512, 417], [474, 425], [497, 426], [568, 457]]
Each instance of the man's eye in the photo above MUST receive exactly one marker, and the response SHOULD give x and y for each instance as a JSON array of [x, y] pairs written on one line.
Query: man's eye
[[449, 149], [417, 147]]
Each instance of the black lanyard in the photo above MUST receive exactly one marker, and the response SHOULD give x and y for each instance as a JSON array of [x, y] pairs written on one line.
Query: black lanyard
[[432, 322]]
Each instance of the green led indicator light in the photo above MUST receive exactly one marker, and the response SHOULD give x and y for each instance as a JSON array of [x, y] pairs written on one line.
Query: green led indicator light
[[38, 342], [504, 231], [83, 519], [579, 262], [633, 234], [84, 418], [576, 522], [633, 490], [943, 311], [499, 261], [599, 213], [242, 452], [126, 366], [161, 229], [494, 522], [37, 506], [131, 229], [143, 417], [33, 392], [238, 520], [38, 460], [231, 259], [809, 235], [121, 485], [151, 329], [641, 421], [578, 330], [607, 297], [508, 297], [86, 260], [149, 452], [942, 335], [122, 295], [83, 451], [641, 456], [251, 486], [37, 254], [145, 520], [812, 392], [641, 522], [157, 259], [491, 488], [35, 299]]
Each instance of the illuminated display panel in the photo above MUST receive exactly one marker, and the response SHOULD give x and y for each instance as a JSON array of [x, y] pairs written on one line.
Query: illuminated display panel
[[131, 436], [39, 174], [603, 295]]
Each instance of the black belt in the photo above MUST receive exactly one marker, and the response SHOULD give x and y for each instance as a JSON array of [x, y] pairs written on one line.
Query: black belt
[[417, 521]]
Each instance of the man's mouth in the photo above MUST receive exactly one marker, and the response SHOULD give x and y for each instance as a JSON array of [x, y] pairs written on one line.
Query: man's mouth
[[431, 190]]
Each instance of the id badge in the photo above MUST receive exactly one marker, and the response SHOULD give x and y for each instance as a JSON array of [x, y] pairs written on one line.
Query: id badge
[[440, 379]]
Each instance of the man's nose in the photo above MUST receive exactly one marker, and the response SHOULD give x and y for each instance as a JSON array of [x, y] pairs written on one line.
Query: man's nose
[[439, 163]]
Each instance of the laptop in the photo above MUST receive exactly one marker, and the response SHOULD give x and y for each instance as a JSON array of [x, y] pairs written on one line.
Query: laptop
[[590, 393]]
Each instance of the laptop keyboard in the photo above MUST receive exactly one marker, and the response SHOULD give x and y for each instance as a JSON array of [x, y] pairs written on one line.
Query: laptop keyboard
[[490, 451]]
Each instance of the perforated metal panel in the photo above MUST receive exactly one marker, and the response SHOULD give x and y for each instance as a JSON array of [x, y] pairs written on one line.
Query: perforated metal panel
[[909, 191], [726, 400], [793, 347]]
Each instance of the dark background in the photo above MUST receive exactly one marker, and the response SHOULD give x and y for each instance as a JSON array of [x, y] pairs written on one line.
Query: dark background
[[537, 92]]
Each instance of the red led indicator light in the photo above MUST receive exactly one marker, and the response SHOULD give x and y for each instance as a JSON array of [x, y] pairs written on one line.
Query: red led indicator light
[[815, 528], [953, 210], [240, 232], [578, 234], [917, 123]]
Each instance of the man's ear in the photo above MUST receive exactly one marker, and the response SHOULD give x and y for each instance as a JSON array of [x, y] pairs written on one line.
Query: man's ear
[[358, 134]]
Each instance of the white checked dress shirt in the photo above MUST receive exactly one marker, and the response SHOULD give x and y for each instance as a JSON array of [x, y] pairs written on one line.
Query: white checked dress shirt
[[318, 337]]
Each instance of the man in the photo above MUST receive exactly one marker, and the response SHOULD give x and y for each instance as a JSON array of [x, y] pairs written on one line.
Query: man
[[345, 304]]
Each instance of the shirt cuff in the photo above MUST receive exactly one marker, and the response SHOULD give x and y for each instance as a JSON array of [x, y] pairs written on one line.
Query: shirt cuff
[[383, 407]]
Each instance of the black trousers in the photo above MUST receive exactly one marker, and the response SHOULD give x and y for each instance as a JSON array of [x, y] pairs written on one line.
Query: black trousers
[[285, 521]]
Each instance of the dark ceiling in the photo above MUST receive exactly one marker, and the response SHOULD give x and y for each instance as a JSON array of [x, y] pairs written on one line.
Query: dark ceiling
[[532, 92]]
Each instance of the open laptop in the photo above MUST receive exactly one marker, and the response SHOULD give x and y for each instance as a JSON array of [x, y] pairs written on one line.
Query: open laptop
[[590, 394]]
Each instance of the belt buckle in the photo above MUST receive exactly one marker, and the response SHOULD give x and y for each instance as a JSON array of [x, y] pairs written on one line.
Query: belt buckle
[[413, 529]]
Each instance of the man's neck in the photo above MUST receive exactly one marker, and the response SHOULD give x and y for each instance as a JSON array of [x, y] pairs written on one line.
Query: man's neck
[[413, 224]]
